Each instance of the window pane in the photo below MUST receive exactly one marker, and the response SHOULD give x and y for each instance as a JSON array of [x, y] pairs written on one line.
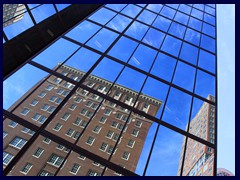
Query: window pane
[[116, 7], [168, 12], [147, 17], [119, 23], [182, 18], [42, 12], [206, 61], [195, 23], [137, 30], [209, 30], [189, 53], [131, 10], [62, 6], [208, 43], [154, 38], [102, 16], [155, 7], [171, 45], [177, 30], [192, 36], [162, 23]]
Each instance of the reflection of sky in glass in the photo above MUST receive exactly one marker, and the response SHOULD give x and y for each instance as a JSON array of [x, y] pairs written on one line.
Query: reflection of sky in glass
[[208, 43], [155, 7], [119, 23], [102, 16], [134, 79], [26, 78], [165, 154], [131, 10], [189, 53], [113, 69], [208, 18], [184, 8], [168, 12], [210, 10], [199, 6], [197, 104], [177, 108], [206, 61], [154, 38], [42, 12], [83, 31], [164, 66], [209, 30], [195, 23], [205, 84], [147, 17], [161, 23], [18, 27], [182, 18], [102, 40], [57, 52], [192, 36], [197, 14], [143, 57], [177, 30], [171, 45], [83, 60], [125, 46], [62, 6], [184, 76], [116, 7], [136, 30]]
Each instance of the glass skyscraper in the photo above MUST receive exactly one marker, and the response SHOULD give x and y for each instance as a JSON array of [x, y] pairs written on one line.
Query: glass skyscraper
[[129, 90]]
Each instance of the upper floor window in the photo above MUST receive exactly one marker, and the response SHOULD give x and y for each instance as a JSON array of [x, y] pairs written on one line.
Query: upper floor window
[[107, 112], [90, 140], [13, 124], [49, 87], [75, 168], [38, 152], [7, 157], [55, 160], [25, 111], [34, 102], [103, 120], [18, 142], [135, 132], [42, 94], [45, 173], [126, 155], [26, 168], [66, 116], [93, 173]]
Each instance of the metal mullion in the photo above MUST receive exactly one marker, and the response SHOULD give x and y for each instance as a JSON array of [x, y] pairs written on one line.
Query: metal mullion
[[58, 15], [100, 104], [114, 148], [216, 101], [69, 145], [5, 37], [138, 94], [156, 132], [165, 124], [191, 106], [31, 15], [139, 70]]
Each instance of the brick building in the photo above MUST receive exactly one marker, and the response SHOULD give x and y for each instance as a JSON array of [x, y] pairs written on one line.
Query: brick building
[[99, 136], [12, 13], [199, 157]]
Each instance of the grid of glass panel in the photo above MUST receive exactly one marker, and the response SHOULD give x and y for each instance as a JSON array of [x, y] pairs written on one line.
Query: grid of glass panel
[[128, 76]]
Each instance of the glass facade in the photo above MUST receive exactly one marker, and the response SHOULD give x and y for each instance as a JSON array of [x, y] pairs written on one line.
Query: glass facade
[[130, 88]]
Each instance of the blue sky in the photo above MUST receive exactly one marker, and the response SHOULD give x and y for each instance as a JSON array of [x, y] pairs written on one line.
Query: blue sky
[[176, 112]]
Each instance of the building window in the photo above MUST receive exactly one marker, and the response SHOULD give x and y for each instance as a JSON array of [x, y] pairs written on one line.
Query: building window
[[51, 109], [4, 134], [109, 134], [126, 155], [42, 119], [47, 140], [25, 130], [119, 116], [93, 173], [76, 135], [55, 160], [18, 142], [70, 132], [83, 124], [58, 101], [89, 114], [25, 111], [45, 173], [110, 149], [103, 120], [12, 124], [77, 121], [146, 105], [100, 87], [107, 112], [90, 84], [120, 127], [34, 102], [59, 91], [53, 98], [45, 107], [78, 100], [72, 107], [103, 147], [131, 143], [84, 92], [60, 147], [49, 87], [83, 112], [124, 118], [64, 73], [75, 168], [65, 116], [57, 80], [36, 117], [135, 132], [65, 93], [115, 137], [138, 124], [82, 157], [90, 140], [7, 157], [57, 127], [42, 94], [31, 132], [89, 103], [114, 124], [38, 152], [94, 106], [26, 168], [117, 93], [97, 129]]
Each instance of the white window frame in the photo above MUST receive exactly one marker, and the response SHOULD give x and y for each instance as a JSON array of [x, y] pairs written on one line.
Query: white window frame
[[126, 158], [24, 114], [105, 147], [19, 142], [56, 126], [35, 100], [73, 167], [28, 167], [91, 143]]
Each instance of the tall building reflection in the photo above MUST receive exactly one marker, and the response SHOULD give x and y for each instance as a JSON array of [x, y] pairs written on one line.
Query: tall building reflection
[[99, 137], [199, 158], [12, 13]]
